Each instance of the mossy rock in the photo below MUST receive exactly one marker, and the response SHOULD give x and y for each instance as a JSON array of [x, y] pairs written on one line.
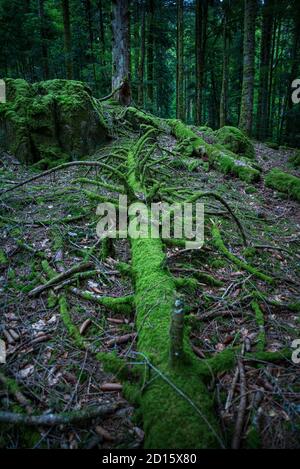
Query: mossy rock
[[51, 120], [284, 182], [236, 141]]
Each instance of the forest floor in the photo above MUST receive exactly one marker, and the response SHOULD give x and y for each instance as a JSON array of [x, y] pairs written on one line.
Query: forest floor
[[52, 219]]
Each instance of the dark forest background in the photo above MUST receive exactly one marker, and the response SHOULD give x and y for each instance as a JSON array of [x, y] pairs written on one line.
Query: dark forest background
[[186, 57]]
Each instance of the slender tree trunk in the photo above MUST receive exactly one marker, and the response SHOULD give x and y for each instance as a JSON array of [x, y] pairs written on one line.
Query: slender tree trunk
[[141, 68], [121, 51], [265, 59], [68, 39], [246, 113], [44, 39], [179, 68], [150, 54], [224, 90], [101, 33], [200, 28]]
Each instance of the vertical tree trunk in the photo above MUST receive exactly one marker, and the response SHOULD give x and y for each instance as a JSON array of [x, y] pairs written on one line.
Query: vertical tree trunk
[[200, 28], [142, 60], [150, 54], [121, 51], [246, 112], [91, 36], [43, 40], [179, 67], [265, 59], [224, 90], [68, 39]]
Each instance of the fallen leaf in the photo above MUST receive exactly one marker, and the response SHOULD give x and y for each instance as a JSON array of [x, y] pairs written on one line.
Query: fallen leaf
[[26, 372]]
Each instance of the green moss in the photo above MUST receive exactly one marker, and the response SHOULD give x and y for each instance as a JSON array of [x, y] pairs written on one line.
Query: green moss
[[51, 121], [3, 258], [284, 182], [273, 145], [186, 283], [236, 141], [227, 162], [189, 143], [66, 317], [294, 160], [121, 305], [218, 242], [208, 279]]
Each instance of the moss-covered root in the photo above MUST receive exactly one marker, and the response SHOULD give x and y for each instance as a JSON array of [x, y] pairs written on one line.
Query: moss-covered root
[[259, 316], [176, 406], [284, 182], [221, 157], [121, 305], [219, 244]]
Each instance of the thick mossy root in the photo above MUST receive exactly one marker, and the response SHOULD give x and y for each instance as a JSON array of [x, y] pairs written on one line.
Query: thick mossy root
[[284, 182], [228, 163], [173, 397], [51, 120], [67, 320], [294, 160], [219, 244], [122, 305], [236, 141]]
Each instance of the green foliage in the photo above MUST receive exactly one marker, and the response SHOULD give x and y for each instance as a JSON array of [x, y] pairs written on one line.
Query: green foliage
[[284, 182], [295, 160]]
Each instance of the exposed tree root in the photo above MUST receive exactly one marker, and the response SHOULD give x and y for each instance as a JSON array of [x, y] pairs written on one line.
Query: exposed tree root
[[68, 418]]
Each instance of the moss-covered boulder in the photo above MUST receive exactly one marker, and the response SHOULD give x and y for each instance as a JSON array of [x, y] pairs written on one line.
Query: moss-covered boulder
[[236, 141], [50, 121], [284, 182]]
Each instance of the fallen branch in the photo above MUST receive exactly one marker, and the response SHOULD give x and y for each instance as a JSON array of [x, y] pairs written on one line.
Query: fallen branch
[[67, 418], [241, 410], [59, 278]]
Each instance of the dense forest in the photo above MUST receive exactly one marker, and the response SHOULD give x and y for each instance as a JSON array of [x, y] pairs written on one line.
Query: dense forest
[[185, 58], [149, 216]]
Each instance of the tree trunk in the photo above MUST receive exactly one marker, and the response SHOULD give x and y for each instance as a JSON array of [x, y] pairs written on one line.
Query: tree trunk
[[179, 67], [265, 59], [121, 51], [246, 113], [200, 28], [68, 39], [44, 39], [141, 67], [101, 33], [150, 54]]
